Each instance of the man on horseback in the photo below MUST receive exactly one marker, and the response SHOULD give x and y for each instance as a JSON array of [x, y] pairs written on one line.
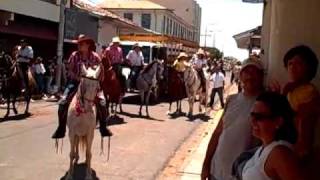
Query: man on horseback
[[24, 56], [84, 56], [136, 61], [115, 55], [199, 62]]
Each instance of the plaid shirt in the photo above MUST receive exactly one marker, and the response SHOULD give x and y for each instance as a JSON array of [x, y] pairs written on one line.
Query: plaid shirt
[[114, 54], [75, 62]]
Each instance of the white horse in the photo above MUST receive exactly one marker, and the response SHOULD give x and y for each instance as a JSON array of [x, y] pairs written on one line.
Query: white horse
[[193, 88], [147, 81], [81, 119]]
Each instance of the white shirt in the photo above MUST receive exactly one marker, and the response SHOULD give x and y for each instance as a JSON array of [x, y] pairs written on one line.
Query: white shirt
[[236, 136], [25, 52], [199, 63], [217, 79], [254, 168], [136, 59], [39, 68]]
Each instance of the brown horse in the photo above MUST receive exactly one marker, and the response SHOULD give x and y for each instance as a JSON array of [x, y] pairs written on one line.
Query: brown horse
[[11, 85], [111, 87], [176, 89]]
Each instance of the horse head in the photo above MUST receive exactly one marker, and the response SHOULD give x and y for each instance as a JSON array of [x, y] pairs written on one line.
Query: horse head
[[89, 82], [160, 69]]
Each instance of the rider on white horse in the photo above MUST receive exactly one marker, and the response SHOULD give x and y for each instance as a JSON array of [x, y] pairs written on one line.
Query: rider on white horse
[[199, 62], [84, 56]]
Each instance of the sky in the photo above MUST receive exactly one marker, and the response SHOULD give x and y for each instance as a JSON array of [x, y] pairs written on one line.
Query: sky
[[225, 18]]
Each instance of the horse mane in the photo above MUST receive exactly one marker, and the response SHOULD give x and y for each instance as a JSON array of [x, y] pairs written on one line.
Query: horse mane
[[146, 69]]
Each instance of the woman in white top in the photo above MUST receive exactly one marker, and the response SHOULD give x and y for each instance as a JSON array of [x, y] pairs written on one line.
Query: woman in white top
[[272, 123], [233, 133]]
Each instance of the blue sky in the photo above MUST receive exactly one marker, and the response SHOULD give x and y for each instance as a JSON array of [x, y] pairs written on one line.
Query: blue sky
[[226, 18]]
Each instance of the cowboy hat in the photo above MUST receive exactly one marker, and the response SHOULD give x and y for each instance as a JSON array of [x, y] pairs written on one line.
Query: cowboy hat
[[182, 54], [251, 62], [84, 38], [135, 45], [116, 40], [200, 51]]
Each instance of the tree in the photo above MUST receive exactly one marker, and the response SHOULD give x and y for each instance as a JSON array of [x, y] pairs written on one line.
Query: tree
[[215, 53]]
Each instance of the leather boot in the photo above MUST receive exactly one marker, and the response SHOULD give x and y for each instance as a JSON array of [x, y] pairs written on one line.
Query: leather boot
[[102, 116], [62, 115]]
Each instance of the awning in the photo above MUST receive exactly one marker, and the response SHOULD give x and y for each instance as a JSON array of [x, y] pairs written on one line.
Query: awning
[[249, 39], [30, 30]]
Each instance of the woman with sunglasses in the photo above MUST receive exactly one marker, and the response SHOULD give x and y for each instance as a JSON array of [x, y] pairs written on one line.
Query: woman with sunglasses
[[233, 133], [272, 123]]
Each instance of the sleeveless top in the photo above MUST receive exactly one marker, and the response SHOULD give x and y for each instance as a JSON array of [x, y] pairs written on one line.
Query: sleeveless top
[[236, 136], [254, 168]]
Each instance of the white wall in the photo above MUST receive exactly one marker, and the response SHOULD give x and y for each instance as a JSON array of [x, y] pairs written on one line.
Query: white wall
[[291, 23], [106, 32], [34, 8]]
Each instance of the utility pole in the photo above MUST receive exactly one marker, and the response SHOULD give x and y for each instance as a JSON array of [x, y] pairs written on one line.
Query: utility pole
[[205, 37], [60, 44]]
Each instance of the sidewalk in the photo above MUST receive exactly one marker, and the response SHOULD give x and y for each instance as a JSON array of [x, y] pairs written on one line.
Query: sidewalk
[[191, 169], [186, 163]]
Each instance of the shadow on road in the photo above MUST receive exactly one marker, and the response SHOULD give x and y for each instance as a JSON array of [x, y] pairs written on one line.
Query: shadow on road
[[201, 117], [18, 117], [115, 120], [135, 99], [141, 117], [80, 172]]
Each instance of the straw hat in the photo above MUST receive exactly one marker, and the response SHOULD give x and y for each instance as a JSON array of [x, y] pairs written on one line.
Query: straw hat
[[251, 62], [136, 45], [116, 39], [182, 54], [200, 51]]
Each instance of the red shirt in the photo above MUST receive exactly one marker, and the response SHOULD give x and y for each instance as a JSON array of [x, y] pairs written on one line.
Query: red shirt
[[76, 60], [114, 54]]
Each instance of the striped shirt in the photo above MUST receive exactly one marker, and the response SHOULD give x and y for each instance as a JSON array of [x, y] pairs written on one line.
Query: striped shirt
[[75, 62], [115, 54]]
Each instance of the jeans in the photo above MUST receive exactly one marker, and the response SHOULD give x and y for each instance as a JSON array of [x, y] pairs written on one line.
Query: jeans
[[48, 84], [40, 82], [135, 70], [23, 68], [118, 70], [213, 94], [202, 79]]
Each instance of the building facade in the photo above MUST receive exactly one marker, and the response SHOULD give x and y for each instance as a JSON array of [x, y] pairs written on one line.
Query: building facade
[[190, 12], [153, 16], [287, 24]]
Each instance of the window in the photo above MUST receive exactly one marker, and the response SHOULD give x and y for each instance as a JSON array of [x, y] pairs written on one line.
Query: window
[[146, 21], [164, 25], [170, 29], [167, 28], [128, 16]]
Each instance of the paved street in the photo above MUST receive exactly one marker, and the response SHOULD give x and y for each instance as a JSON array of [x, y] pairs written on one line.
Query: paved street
[[140, 147]]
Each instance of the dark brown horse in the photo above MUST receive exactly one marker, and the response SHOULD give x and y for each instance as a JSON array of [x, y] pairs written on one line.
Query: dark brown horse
[[111, 87], [176, 89], [11, 84]]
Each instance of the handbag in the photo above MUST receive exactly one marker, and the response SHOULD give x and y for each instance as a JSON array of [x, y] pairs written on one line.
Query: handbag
[[241, 161]]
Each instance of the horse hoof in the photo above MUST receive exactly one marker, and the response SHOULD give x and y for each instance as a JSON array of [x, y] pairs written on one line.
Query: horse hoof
[[15, 111]]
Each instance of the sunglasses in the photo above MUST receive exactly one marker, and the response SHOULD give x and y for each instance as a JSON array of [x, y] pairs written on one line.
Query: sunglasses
[[261, 116]]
